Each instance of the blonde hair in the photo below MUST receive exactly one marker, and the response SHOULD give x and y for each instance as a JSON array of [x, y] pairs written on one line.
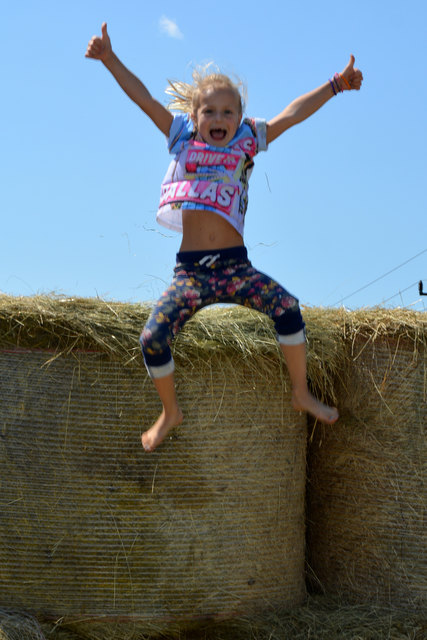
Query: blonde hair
[[186, 97]]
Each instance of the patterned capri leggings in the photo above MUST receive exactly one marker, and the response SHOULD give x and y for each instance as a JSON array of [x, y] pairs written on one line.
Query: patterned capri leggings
[[202, 278]]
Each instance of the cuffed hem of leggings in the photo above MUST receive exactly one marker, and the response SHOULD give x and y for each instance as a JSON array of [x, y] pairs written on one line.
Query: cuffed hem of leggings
[[162, 370], [292, 339]]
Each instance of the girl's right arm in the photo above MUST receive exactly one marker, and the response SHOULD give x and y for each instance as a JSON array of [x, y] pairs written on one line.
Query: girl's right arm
[[100, 49]]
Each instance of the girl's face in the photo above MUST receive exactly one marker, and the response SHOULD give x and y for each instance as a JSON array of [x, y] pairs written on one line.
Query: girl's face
[[218, 116]]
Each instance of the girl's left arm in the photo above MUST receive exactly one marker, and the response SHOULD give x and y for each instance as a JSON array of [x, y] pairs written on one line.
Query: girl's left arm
[[307, 104]]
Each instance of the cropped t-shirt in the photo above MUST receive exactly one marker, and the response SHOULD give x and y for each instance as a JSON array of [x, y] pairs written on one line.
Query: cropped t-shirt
[[206, 177]]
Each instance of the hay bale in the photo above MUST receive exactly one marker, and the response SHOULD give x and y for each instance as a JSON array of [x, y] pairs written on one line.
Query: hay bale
[[367, 537], [96, 532]]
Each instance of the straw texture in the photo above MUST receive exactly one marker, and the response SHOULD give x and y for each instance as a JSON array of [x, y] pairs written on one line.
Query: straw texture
[[105, 537], [367, 534], [15, 625], [320, 618]]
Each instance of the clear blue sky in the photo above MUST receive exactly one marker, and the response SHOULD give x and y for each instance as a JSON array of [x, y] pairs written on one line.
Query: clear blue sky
[[335, 203]]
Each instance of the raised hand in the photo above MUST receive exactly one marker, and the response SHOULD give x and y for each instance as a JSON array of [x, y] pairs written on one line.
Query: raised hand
[[99, 48], [352, 77]]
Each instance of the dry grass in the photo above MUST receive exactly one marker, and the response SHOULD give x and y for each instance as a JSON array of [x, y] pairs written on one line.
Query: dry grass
[[324, 618], [15, 625], [320, 618], [67, 324]]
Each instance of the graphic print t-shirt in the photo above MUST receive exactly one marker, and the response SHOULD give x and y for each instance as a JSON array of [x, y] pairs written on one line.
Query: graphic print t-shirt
[[206, 177]]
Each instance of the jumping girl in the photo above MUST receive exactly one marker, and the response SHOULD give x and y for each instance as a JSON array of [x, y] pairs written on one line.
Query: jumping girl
[[204, 195]]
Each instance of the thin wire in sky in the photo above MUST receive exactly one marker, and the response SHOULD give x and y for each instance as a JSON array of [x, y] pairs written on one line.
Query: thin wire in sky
[[379, 278], [400, 292]]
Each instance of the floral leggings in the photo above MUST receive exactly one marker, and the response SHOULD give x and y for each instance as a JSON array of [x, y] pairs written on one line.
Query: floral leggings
[[202, 278]]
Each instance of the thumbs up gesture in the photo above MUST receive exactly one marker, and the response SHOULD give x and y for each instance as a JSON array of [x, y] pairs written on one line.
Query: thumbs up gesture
[[352, 77], [99, 48]]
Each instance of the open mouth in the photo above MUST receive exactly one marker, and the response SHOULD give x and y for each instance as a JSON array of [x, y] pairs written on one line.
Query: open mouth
[[218, 134]]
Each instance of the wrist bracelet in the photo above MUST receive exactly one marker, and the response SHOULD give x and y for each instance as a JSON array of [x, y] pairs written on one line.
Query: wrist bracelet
[[346, 82], [333, 88]]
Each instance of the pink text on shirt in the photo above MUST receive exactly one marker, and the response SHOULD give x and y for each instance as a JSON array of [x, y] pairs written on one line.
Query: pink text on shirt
[[203, 192]]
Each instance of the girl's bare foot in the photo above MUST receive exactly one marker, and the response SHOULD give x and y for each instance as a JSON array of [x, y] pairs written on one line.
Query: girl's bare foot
[[304, 401], [160, 429]]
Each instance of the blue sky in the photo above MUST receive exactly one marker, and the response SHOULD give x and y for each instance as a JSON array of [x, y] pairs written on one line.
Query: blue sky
[[336, 203]]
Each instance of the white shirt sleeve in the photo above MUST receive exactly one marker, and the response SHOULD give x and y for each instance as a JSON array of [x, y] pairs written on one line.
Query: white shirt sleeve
[[261, 127], [180, 131]]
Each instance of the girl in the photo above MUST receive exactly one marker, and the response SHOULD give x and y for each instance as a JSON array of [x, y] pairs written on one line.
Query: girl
[[204, 195]]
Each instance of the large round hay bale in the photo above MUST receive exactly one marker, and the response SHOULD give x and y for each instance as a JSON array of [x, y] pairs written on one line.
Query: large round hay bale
[[95, 531], [367, 536]]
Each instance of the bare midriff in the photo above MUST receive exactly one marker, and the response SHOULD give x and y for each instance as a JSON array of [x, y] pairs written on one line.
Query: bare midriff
[[205, 230]]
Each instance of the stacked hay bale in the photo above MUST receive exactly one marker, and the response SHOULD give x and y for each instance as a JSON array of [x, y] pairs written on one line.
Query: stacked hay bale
[[98, 533], [367, 536]]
